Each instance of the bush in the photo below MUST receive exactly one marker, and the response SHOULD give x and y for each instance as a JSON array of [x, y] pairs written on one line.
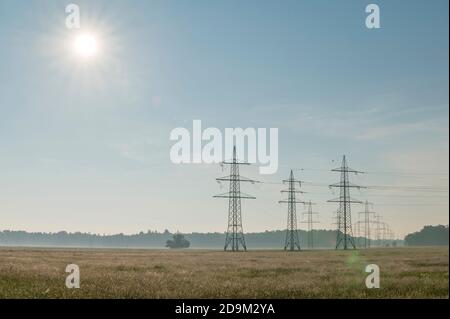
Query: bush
[[178, 241]]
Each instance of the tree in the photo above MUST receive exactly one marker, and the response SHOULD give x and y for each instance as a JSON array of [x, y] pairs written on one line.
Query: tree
[[178, 241]]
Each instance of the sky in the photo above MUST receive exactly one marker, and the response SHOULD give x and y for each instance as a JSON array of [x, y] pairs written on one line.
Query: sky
[[85, 144]]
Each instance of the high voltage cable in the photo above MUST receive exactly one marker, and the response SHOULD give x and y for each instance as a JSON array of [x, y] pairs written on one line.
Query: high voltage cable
[[376, 187], [389, 195], [405, 173], [409, 174], [403, 204]]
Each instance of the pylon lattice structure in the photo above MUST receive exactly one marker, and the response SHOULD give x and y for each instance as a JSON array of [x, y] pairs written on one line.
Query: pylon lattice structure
[[292, 241], [378, 228], [366, 222], [344, 217], [235, 234], [310, 221], [386, 231], [390, 234]]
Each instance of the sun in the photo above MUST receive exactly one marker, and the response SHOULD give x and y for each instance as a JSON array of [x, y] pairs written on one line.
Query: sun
[[86, 45]]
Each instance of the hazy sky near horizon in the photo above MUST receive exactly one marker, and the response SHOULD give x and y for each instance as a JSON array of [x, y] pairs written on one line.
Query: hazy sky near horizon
[[85, 145]]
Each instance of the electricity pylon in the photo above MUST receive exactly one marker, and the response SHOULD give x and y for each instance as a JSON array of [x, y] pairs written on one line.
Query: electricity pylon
[[235, 232], [391, 235], [383, 233], [378, 227], [366, 223], [386, 234], [310, 221], [344, 217], [292, 241]]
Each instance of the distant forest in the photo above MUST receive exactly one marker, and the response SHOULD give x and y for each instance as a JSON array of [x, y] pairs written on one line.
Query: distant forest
[[429, 236], [152, 239]]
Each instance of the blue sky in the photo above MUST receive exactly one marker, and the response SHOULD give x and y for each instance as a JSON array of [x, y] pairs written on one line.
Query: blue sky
[[86, 146]]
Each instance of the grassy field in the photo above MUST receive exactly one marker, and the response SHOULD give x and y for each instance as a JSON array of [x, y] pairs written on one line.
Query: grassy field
[[405, 273]]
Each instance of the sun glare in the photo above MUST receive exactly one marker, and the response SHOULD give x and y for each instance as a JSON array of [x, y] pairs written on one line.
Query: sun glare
[[86, 45]]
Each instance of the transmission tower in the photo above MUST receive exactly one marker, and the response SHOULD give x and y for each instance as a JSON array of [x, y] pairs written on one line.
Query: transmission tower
[[391, 235], [385, 233], [344, 219], [292, 241], [310, 221], [366, 223], [235, 233], [378, 227]]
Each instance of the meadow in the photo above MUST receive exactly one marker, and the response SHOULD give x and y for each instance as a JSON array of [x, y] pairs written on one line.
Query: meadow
[[404, 273]]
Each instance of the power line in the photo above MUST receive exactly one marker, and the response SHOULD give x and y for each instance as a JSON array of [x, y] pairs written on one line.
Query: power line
[[395, 173], [404, 174], [419, 188], [404, 204], [391, 195]]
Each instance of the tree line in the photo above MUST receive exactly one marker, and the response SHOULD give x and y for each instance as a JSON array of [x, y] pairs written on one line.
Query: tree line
[[429, 236], [153, 239]]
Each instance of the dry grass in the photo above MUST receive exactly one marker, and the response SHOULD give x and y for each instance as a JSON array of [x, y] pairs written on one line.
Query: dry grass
[[405, 273]]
